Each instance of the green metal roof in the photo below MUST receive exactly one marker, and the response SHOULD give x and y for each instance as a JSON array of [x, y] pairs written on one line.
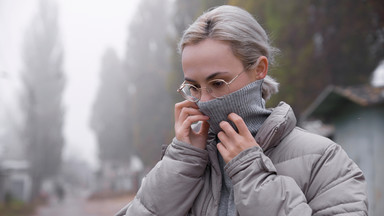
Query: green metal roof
[[334, 98]]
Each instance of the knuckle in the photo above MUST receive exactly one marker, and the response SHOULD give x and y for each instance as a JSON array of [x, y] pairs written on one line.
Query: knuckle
[[190, 119], [182, 104], [179, 105], [185, 110], [178, 133], [186, 121], [231, 148]]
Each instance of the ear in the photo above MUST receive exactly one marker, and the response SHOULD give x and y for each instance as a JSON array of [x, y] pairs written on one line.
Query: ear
[[261, 68]]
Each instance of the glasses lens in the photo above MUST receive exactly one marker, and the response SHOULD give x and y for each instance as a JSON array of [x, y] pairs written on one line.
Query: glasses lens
[[190, 92], [218, 88]]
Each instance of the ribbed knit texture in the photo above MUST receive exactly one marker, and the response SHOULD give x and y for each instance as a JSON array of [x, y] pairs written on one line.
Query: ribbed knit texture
[[247, 103], [227, 205]]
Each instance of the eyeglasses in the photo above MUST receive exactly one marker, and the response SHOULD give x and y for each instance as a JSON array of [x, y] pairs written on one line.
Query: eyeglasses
[[217, 88]]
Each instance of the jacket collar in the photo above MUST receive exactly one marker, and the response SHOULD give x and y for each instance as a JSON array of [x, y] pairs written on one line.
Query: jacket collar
[[278, 125]]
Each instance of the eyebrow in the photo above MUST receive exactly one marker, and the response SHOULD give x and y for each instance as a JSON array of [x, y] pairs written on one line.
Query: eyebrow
[[208, 78]]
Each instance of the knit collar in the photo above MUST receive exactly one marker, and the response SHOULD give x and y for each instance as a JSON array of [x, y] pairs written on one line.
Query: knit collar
[[247, 102]]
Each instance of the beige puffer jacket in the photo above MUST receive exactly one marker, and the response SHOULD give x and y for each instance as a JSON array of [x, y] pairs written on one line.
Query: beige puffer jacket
[[294, 172]]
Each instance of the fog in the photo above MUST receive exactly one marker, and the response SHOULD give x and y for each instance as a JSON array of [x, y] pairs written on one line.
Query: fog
[[85, 32], [88, 87]]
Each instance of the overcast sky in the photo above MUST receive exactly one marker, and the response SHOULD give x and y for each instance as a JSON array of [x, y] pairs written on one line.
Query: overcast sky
[[87, 28]]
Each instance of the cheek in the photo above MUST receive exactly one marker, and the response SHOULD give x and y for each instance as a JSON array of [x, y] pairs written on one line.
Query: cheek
[[240, 83], [252, 76]]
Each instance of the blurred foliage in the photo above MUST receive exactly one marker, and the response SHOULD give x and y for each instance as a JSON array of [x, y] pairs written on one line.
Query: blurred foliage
[[18, 208], [44, 82], [111, 112], [146, 64], [141, 89], [14, 207], [322, 42]]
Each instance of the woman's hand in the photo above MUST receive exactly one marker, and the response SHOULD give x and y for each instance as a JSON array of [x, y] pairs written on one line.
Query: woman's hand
[[187, 113], [232, 143]]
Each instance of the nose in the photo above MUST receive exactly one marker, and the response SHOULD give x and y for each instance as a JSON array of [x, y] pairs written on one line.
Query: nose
[[205, 96]]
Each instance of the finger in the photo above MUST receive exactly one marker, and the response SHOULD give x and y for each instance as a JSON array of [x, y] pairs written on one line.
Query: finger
[[188, 111], [184, 128], [239, 122], [204, 128], [179, 106], [192, 119], [223, 139], [223, 151], [227, 128]]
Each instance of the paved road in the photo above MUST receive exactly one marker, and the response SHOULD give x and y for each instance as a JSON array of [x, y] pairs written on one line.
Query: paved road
[[80, 206]]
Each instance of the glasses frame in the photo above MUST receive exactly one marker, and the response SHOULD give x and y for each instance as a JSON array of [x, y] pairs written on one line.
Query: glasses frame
[[208, 89]]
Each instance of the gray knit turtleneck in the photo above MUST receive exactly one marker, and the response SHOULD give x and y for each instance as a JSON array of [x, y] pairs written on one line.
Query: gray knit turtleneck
[[247, 103], [227, 199]]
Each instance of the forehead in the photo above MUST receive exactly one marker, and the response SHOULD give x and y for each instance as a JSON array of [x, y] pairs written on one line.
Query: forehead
[[209, 56]]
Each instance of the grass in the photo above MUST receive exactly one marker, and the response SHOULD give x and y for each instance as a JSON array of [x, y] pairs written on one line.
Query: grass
[[16, 208]]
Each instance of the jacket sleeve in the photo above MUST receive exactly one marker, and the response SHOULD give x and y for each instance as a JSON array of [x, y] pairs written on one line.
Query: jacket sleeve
[[171, 187], [337, 185]]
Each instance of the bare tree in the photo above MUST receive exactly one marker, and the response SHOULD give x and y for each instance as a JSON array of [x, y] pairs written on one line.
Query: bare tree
[[44, 82]]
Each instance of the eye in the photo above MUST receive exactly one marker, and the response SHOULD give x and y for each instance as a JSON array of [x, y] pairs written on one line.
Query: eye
[[197, 86], [192, 88], [217, 84]]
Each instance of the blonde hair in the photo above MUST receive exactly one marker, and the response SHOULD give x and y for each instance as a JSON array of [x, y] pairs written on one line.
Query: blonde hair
[[247, 38]]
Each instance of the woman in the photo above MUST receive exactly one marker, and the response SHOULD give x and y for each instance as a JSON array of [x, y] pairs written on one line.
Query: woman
[[241, 158]]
